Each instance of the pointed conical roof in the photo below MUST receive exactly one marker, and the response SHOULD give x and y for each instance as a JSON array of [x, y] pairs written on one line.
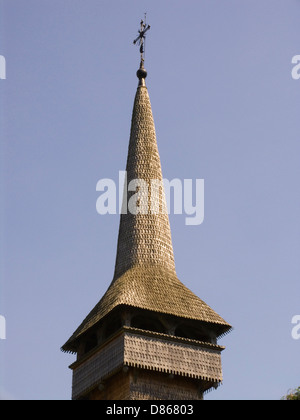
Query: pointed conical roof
[[145, 237], [145, 275]]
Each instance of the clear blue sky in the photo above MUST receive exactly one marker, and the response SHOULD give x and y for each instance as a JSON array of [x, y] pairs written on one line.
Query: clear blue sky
[[226, 110]]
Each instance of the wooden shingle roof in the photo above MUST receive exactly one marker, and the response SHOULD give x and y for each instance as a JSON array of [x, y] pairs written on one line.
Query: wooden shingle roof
[[145, 275]]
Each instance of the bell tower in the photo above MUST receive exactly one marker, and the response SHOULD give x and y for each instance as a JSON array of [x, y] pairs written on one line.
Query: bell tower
[[149, 337]]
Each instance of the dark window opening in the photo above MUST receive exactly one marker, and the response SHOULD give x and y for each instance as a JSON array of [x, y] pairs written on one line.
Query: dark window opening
[[112, 326], [147, 323], [186, 331], [91, 342]]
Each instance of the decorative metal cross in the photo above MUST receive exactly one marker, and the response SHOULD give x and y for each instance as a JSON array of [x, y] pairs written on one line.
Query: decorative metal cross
[[141, 38]]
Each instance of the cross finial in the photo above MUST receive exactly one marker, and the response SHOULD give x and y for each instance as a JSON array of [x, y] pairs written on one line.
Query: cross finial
[[141, 38]]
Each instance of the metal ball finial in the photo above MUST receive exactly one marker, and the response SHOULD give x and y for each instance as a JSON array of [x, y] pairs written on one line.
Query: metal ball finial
[[141, 73]]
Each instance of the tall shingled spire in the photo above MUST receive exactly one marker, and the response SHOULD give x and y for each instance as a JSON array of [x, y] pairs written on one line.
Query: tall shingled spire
[[144, 239], [145, 296]]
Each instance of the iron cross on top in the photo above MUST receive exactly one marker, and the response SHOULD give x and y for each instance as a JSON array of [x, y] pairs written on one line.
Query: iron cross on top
[[141, 38]]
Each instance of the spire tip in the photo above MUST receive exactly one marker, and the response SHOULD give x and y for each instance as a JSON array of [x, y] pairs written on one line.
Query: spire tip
[[141, 73]]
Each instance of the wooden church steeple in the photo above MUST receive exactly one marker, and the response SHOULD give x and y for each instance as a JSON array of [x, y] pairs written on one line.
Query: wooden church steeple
[[149, 336]]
